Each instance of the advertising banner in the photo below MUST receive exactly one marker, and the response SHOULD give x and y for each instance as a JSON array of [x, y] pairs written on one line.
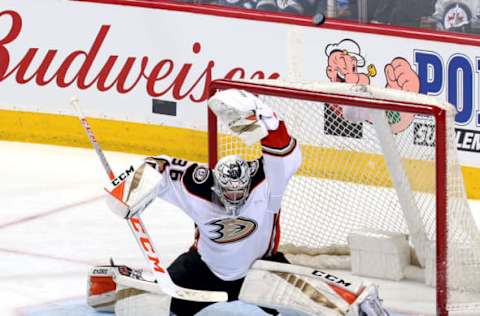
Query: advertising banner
[[153, 66]]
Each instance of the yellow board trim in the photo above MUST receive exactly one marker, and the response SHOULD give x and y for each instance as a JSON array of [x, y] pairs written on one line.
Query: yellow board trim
[[337, 165], [471, 178], [347, 166], [191, 144], [112, 135]]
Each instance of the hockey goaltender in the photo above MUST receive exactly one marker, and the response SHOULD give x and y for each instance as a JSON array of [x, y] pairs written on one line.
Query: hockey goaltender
[[235, 208]]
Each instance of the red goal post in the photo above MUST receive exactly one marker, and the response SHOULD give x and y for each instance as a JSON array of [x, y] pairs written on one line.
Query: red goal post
[[443, 159]]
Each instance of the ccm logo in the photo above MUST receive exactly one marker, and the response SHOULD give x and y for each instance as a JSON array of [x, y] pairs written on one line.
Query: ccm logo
[[144, 240], [331, 278], [123, 176]]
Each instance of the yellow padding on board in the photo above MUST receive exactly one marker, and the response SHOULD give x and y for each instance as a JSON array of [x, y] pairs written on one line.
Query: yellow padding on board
[[348, 166], [360, 168], [193, 145], [364, 168], [112, 135], [471, 177]]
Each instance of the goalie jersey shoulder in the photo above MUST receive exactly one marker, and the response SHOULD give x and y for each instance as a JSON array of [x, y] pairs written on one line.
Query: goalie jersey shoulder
[[198, 179]]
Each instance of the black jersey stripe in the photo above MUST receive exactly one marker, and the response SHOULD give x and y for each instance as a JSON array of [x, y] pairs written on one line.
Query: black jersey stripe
[[285, 151]]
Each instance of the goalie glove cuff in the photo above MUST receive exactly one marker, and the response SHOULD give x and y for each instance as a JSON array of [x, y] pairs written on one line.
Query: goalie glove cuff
[[270, 123], [265, 114]]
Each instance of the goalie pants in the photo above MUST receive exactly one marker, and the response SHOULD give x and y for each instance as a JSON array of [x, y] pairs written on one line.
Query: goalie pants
[[189, 271]]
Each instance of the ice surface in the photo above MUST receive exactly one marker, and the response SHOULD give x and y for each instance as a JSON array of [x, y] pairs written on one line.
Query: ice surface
[[54, 225]]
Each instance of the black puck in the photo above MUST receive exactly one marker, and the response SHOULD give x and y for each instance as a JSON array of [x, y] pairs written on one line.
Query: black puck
[[318, 19]]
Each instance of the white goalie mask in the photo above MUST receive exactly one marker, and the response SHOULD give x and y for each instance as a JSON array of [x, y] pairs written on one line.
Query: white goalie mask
[[231, 182]]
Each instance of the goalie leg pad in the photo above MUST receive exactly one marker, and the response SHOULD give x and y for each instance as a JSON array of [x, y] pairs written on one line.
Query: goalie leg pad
[[102, 285], [101, 289], [133, 302], [288, 292], [292, 288], [120, 289]]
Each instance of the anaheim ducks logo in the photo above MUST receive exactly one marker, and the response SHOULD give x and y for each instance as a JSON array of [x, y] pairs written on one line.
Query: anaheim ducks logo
[[232, 229]]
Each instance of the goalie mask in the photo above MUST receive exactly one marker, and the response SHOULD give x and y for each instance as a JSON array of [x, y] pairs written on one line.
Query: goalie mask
[[231, 182]]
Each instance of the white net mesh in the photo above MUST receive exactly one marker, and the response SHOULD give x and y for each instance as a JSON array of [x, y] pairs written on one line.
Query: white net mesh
[[344, 183], [463, 245]]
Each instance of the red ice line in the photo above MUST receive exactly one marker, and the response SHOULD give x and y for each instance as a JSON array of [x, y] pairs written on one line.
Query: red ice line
[[32, 254], [46, 213]]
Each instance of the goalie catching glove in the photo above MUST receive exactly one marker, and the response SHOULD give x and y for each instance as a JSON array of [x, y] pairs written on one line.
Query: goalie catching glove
[[133, 190], [246, 115]]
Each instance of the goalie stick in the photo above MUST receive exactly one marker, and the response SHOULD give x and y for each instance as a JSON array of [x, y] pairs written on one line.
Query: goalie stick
[[143, 239]]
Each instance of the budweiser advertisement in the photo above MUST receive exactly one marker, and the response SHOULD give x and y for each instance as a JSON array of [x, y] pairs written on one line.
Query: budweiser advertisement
[[118, 58]]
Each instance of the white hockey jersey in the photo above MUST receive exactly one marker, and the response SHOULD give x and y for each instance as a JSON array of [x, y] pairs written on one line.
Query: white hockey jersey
[[229, 245]]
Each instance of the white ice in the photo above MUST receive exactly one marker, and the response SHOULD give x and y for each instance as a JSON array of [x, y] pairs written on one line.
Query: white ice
[[54, 225]]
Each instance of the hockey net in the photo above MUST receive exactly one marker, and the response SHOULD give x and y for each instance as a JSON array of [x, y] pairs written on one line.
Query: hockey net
[[400, 176]]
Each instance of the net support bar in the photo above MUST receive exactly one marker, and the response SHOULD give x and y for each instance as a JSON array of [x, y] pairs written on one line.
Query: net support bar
[[401, 184]]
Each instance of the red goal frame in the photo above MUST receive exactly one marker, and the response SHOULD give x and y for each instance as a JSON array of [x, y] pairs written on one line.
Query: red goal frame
[[440, 149]]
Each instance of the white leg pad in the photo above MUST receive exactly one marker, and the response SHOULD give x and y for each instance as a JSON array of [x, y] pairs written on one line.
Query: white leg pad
[[134, 302], [291, 293]]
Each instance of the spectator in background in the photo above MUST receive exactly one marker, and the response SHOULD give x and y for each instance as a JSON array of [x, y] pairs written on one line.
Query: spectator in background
[[247, 4], [300, 7], [399, 13], [344, 9], [457, 16]]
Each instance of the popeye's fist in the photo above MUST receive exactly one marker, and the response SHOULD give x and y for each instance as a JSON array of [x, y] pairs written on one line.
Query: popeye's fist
[[401, 76]]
